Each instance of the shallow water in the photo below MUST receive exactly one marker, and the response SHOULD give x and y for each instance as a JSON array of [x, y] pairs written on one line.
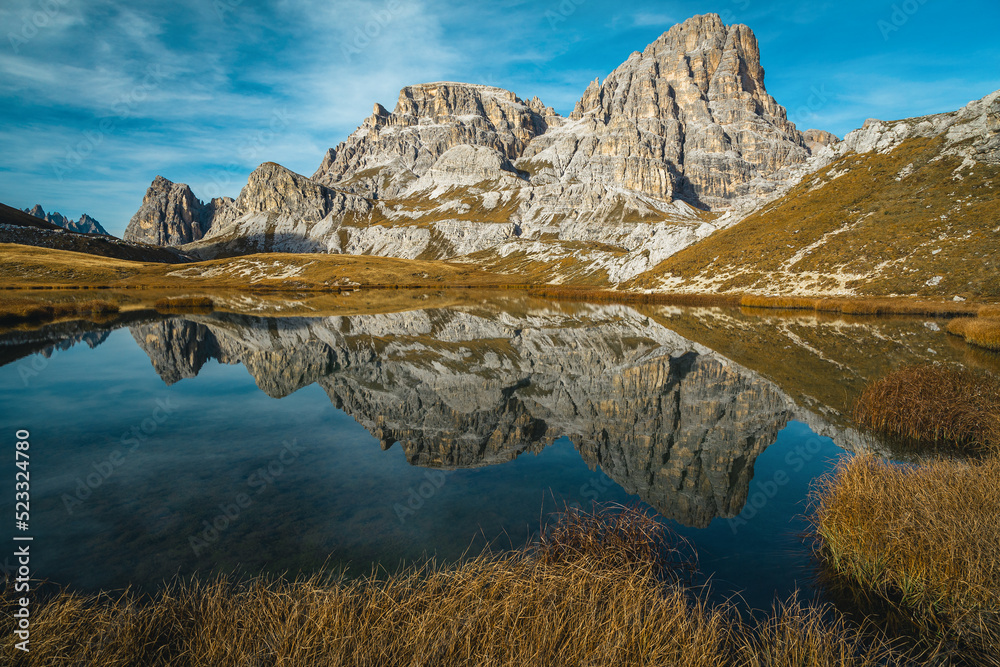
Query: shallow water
[[235, 443]]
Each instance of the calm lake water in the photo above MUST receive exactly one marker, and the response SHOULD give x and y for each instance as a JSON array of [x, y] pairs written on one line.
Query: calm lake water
[[237, 443]]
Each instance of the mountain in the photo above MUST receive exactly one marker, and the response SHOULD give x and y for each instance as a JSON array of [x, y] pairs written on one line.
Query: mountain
[[384, 157], [85, 225], [642, 167], [678, 171], [171, 215], [903, 207], [280, 210]]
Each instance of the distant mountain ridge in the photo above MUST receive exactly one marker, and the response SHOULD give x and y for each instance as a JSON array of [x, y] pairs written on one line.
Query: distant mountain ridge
[[85, 225]]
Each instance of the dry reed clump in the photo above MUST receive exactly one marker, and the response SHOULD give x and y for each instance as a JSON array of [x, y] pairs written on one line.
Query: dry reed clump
[[934, 405], [555, 605], [171, 304], [982, 331], [924, 540], [617, 536]]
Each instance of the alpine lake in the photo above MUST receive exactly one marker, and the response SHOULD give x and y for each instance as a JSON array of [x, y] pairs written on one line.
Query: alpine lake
[[283, 439]]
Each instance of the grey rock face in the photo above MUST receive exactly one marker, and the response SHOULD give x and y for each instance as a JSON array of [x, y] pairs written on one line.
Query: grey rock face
[[390, 150], [689, 117], [85, 225], [665, 418], [466, 165], [971, 132], [817, 139], [170, 215], [279, 210]]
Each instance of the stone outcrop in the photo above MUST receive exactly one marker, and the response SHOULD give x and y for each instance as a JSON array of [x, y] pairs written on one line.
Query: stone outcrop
[[466, 165], [971, 132], [816, 140], [85, 225], [171, 215]]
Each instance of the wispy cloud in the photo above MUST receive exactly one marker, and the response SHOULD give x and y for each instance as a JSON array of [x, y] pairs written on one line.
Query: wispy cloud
[[107, 94]]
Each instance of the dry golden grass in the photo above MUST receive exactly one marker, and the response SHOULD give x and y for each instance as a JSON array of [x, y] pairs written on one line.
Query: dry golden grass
[[934, 405], [597, 601], [861, 306], [990, 311], [31, 267], [982, 331], [865, 230], [925, 540]]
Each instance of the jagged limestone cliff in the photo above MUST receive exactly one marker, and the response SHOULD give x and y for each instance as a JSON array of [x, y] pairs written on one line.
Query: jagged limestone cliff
[[676, 146], [475, 173], [171, 215]]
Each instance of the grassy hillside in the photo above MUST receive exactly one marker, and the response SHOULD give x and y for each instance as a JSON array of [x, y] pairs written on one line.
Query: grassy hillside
[[28, 266], [913, 221], [19, 227]]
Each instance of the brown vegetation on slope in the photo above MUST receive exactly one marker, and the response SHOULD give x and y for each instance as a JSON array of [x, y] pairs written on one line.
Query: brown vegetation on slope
[[877, 223]]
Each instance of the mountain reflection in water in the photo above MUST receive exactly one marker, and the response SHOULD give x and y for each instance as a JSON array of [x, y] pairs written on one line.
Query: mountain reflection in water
[[667, 419], [702, 413]]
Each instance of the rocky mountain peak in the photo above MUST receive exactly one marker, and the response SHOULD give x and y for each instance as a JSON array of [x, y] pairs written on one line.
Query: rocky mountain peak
[[688, 117], [170, 215], [817, 139], [391, 150], [281, 210]]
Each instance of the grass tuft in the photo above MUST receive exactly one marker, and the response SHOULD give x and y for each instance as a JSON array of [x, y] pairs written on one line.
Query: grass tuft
[[982, 331], [563, 603], [934, 406], [923, 540]]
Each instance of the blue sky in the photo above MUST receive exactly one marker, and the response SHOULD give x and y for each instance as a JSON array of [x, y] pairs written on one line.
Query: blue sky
[[97, 98]]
